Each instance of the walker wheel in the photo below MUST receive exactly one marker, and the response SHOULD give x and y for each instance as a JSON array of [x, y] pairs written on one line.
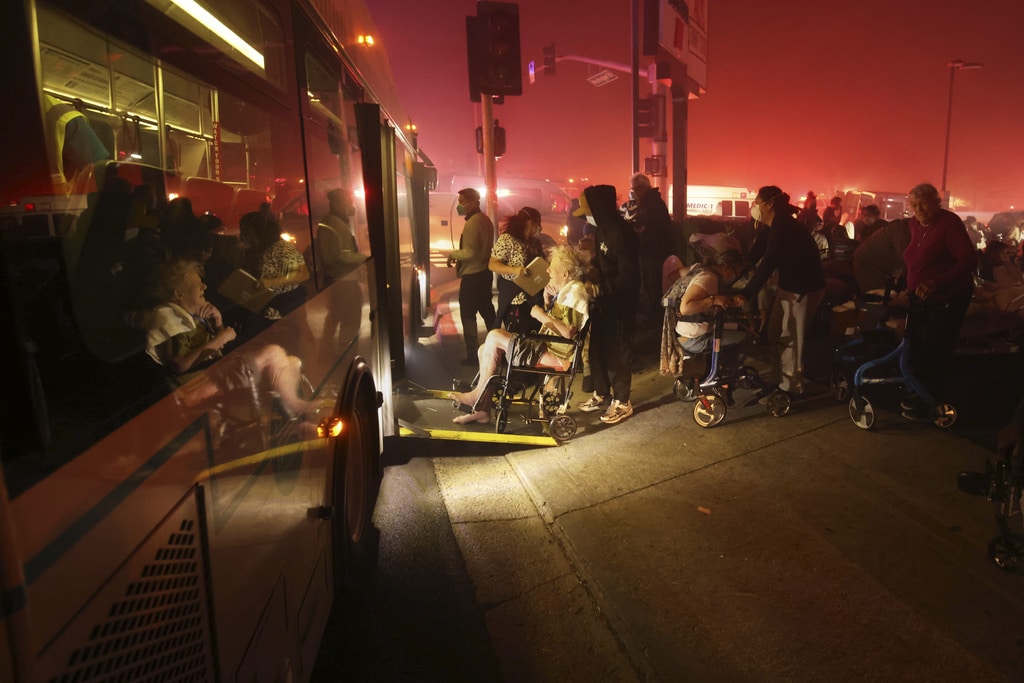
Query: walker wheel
[[1007, 553], [944, 415], [709, 410], [685, 390], [778, 403], [748, 378], [862, 412], [562, 427], [839, 385]]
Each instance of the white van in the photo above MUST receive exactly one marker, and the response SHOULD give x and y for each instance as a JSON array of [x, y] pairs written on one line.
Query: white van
[[719, 201], [513, 194]]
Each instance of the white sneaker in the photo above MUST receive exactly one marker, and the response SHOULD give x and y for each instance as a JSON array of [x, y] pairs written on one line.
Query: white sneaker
[[617, 412], [592, 404]]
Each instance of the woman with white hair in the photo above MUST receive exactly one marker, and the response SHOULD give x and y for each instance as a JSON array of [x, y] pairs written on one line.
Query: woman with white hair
[[566, 316]]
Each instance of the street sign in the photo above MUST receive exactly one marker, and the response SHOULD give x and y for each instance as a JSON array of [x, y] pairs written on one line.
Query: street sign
[[602, 77]]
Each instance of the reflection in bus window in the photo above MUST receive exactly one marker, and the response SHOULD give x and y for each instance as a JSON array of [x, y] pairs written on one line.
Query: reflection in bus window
[[174, 165]]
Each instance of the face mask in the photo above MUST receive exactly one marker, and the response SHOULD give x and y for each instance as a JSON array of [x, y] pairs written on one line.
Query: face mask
[[461, 209], [591, 220], [755, 212]]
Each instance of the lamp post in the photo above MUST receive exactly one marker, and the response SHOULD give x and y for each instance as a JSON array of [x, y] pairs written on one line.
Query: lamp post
[[953, 66]]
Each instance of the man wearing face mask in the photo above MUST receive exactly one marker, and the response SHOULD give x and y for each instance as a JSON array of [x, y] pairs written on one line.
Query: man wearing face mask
[[791, 250], [336, 245], [471, 261], [613, 313]]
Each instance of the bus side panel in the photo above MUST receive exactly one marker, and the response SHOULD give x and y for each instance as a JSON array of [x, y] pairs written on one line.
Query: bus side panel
[[149, 618]]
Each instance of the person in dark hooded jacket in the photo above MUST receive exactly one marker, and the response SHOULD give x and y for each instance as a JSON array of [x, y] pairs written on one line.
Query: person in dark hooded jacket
[[653, 226], [613, 313]]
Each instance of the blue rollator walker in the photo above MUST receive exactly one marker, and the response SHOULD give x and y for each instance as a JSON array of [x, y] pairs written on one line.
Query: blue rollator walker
[[862, 412], [713, 395]]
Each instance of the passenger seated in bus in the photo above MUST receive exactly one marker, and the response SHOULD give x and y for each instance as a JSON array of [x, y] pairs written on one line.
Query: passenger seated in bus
[[275, 262], [568, 313], [185, 333]]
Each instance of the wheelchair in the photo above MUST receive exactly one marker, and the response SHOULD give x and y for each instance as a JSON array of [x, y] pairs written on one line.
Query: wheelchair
[[1001, 483], [713, 395], [530, 386]]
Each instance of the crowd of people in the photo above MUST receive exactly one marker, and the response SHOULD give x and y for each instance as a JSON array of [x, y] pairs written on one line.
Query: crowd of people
[[791, 269]]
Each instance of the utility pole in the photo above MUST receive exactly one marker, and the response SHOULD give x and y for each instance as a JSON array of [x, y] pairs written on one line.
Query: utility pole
[[490, 167], [635, 76]]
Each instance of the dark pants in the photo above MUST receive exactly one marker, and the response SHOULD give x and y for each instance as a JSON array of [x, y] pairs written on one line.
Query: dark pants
[[932, 331], [611, 349], [475, 297]]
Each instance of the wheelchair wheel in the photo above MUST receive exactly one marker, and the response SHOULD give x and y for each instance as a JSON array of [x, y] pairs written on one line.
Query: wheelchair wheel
[[685, 390], [500, 420], [778, 403], [944, 415], [562, 427], [839, 385], [709, 410], [862, 412]]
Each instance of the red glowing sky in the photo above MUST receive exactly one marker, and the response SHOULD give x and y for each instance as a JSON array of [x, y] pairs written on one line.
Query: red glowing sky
[[850, 94]]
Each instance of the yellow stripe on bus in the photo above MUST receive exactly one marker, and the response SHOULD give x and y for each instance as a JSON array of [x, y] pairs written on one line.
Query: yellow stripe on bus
[[255, 458]]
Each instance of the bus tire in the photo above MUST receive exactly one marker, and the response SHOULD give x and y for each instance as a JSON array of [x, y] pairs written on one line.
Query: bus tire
[[357, 480]]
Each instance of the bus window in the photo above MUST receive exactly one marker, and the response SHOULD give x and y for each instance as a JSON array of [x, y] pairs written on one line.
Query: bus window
[[180, 195], [334, 162]]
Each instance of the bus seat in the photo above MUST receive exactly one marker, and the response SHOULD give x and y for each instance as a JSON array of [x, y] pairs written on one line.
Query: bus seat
[[247, 200], [209, 196]]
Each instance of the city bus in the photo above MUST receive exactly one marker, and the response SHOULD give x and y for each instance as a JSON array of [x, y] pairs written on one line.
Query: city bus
[[158, 525]]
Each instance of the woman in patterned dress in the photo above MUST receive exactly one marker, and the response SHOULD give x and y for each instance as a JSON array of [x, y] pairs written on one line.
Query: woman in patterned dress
[[275, 262], [517, 245]]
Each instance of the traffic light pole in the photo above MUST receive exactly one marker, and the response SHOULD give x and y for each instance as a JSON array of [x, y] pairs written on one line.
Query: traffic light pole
[[635, 76], [490, 168]]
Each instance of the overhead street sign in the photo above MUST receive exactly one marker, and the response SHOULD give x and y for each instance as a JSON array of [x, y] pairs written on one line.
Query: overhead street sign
[[602, 77]]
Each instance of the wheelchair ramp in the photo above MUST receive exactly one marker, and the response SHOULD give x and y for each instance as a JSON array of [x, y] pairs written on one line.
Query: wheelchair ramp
[[427, 414]]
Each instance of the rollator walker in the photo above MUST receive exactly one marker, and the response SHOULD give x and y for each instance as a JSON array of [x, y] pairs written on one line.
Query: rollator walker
[[713, 395]]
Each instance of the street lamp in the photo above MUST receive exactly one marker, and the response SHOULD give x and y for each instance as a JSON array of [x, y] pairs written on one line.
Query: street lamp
[[954, 66]]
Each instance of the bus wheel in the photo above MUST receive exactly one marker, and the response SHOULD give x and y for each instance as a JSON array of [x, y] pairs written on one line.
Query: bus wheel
[[357, 482]]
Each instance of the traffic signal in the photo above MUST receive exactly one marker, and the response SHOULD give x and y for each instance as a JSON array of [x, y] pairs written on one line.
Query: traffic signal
[[650, 118], [499, 140], [549, 59], [644, 117], [493, 42]]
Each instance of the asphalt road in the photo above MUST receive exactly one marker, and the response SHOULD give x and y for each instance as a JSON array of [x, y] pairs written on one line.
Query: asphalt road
[[798, 548]]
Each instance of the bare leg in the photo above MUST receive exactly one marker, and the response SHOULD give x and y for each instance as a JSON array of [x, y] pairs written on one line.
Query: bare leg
[[282, 372], [491, 352]]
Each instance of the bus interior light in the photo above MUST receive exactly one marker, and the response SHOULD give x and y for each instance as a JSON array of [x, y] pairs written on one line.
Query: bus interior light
[[204, 17]]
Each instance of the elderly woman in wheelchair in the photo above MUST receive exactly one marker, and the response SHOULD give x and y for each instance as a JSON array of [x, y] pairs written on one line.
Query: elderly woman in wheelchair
[[567, 314]]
